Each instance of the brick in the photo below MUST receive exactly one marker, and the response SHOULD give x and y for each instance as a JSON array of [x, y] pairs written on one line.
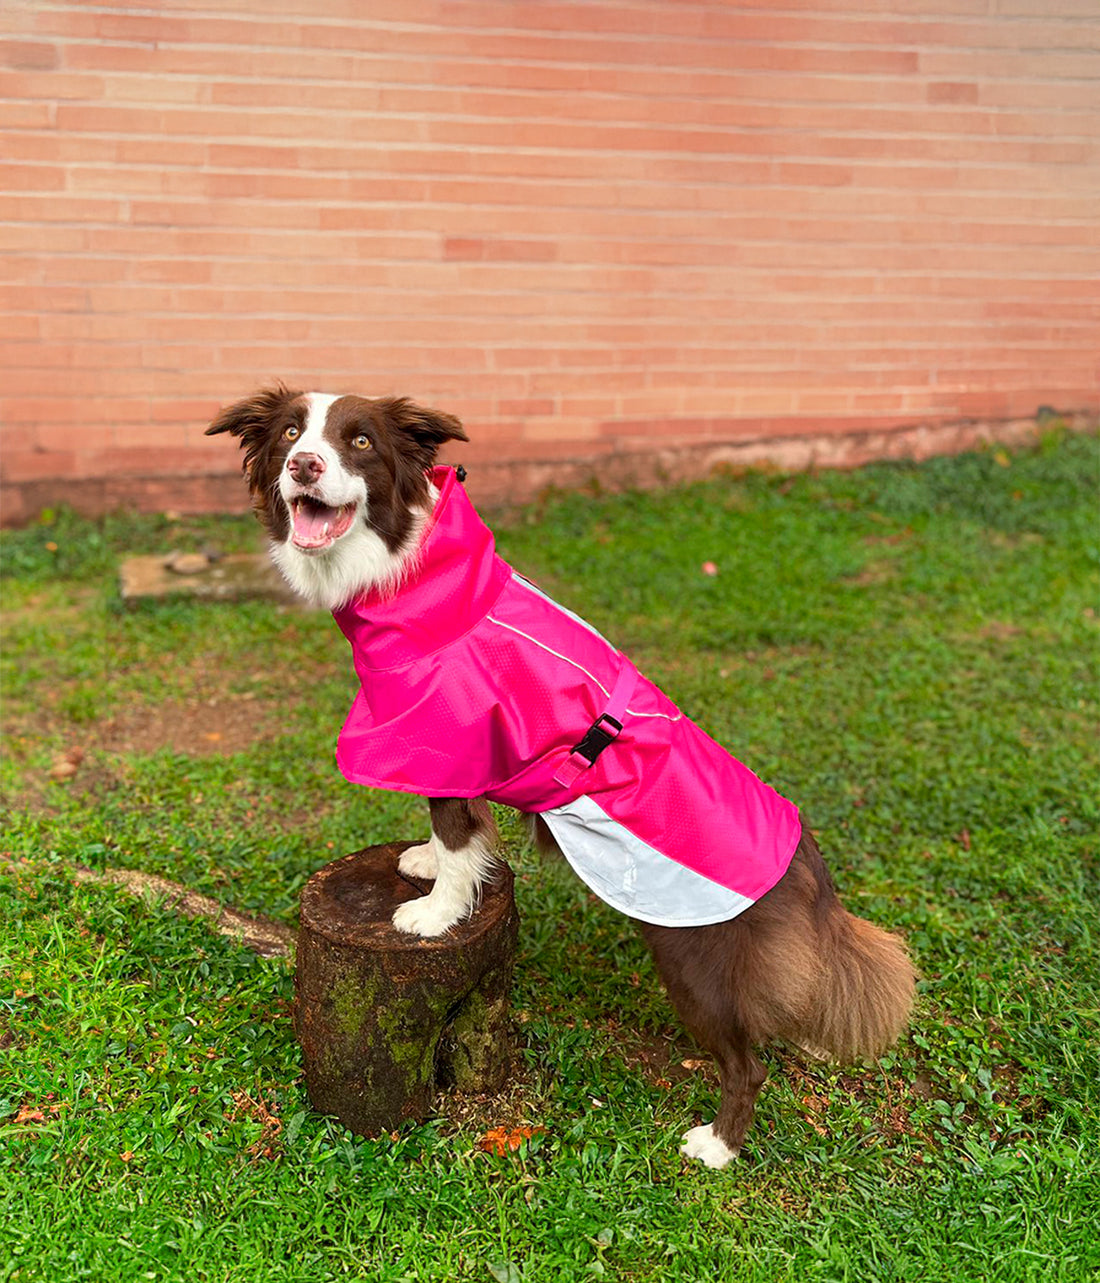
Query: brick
[[953, 91], [527, 408], [483, 248], [38, 465], [38, 84], [30, 55], [61, 437], [28, 115], [19, 327]]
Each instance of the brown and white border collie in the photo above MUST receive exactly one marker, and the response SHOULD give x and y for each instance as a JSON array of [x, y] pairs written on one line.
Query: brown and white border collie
[[341, 485]]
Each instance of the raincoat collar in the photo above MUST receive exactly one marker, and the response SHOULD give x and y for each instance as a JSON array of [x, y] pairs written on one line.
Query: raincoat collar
[[452, 585]]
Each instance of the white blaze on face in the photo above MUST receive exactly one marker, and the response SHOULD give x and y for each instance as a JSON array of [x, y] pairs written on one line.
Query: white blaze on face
[[322, 510], [312, 440]]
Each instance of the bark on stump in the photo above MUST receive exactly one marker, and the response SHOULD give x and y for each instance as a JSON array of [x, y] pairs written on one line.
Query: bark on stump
[[381, 1016]]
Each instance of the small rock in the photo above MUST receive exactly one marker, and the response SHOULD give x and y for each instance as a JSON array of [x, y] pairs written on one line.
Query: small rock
[[187, 563], [66, 765]]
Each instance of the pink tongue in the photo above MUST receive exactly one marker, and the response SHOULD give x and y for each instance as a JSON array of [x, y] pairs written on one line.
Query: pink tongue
[[309, 522]]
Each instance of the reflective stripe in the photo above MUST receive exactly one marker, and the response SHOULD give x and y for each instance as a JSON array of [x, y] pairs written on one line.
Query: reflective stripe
[[549, 650], [517, 578], [634, 877]]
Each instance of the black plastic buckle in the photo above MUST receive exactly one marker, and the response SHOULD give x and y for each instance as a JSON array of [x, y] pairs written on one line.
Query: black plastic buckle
[[597, 737]]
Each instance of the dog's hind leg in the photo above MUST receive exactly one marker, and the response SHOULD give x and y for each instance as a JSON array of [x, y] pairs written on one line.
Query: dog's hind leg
[[741, 1076], [463, 837], [694, 964]]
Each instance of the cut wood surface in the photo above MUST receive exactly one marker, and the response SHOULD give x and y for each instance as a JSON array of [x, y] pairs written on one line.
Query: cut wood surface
[[383, 1017]]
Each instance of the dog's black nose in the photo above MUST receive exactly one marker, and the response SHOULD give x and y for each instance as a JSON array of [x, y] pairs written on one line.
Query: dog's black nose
[[305, 467]]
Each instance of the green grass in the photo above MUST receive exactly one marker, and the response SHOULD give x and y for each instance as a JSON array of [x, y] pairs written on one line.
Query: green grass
[[910, 652]]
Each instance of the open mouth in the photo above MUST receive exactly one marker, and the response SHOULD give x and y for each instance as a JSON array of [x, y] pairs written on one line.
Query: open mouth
[[318, 525]]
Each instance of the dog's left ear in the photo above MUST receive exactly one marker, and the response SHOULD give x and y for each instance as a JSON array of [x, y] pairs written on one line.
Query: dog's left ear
[[426, 430]]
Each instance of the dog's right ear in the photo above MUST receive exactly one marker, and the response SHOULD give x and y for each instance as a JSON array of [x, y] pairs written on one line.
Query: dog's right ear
[[255, 420]]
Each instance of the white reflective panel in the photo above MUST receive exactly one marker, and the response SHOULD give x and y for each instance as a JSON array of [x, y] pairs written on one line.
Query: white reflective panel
[[634, 877]]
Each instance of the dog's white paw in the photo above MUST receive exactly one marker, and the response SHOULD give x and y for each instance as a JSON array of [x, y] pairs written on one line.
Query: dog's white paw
[[419, 861], [702, 1143], [423, 918]]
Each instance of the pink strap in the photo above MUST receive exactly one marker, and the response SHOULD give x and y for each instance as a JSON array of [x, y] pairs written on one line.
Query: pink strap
[[621, 691], [576, 763]]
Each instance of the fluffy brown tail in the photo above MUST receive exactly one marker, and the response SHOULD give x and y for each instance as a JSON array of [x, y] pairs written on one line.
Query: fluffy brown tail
[[847, 988], [866, 993]]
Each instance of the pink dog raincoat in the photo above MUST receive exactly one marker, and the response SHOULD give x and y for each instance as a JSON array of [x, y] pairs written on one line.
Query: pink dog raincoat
[[474, 683]]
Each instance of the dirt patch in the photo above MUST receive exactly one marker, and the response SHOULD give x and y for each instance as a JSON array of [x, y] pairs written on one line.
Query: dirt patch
[[92, 758], [890, 1098], [875, 572], [661, 1058], [222, 724], [997, 630], [663, 1061], [890, 540], [210, 723]]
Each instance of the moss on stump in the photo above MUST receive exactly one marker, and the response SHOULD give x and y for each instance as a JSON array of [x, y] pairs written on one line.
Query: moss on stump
[[381, 1016]]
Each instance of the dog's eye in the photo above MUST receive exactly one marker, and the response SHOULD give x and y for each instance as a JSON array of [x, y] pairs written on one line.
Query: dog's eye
[[361, 442], [292, 433]]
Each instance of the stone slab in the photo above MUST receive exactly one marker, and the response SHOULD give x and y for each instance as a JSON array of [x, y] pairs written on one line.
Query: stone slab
[[236, 577]]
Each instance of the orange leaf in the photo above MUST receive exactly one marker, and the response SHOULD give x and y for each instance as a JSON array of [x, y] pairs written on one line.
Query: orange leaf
[[499, 1140]]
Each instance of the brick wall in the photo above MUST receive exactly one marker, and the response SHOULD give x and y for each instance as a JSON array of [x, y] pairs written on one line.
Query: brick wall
[[598, 230]]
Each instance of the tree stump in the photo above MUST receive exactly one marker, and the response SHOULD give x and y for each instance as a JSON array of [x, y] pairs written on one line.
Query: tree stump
[[382, 1016]]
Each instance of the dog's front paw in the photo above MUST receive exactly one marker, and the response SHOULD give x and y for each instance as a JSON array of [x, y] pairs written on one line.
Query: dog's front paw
[[708, 1147], [419, 861], [423, 918]]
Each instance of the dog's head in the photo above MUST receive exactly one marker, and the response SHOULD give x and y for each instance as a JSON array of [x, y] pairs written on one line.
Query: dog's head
[[339, 482]]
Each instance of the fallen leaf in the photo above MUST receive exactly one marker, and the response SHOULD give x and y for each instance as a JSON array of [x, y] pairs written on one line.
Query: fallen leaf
[[500, 1140]]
